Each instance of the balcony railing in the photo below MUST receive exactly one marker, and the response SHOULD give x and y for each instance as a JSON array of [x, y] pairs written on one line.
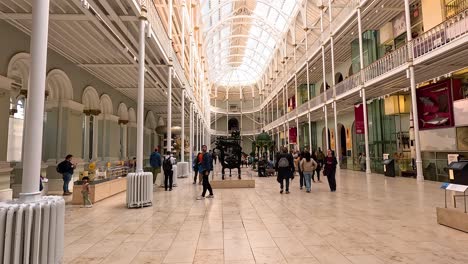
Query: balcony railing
[[385, 64], [155, 20], [440, 35], [348, 84], [454, 7], [303, 108]]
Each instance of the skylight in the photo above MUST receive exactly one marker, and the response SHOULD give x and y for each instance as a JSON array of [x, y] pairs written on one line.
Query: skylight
[[240, 37]]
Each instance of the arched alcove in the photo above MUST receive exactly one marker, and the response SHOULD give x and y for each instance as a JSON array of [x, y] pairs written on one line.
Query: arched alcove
[[131, 115], [122, 112], [18, 69], [321, 87], [90, 99], [59, 85], [106, 104], [338, 77], [150, 120], [233, 124]]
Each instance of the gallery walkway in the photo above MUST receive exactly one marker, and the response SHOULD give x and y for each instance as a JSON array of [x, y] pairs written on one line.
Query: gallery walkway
[[368, 220]]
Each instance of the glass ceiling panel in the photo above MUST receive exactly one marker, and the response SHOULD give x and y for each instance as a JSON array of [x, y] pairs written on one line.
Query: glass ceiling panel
[[252, 34]]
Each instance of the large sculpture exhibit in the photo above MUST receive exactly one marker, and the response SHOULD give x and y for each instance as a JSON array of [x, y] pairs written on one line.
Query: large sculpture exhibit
[[230, 153]]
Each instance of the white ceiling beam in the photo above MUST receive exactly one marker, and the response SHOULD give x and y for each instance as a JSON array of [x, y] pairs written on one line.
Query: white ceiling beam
[[60, 17]]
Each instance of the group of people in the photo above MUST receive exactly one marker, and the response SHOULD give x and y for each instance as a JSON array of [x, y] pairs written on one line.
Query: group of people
[[306, 165], [156, 163], [202, 166]]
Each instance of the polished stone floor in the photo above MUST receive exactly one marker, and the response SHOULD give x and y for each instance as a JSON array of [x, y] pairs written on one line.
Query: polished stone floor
[[370, 219]]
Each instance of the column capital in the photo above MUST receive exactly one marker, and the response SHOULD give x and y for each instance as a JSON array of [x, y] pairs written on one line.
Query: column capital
[[123, 122], [94, 112]]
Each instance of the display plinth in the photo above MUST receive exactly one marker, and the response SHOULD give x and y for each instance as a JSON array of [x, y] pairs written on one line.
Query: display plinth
[[100, 191], [453, 218], [232, 184]]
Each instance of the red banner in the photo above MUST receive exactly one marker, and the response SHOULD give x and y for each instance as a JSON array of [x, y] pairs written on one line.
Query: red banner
[[292, 135], [359, 119]]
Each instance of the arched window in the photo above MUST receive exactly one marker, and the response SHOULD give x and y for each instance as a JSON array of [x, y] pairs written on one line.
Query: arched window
[[233, 124], [15, 130]]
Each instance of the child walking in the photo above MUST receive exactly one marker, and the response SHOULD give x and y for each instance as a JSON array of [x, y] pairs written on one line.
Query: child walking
[[85, 192]]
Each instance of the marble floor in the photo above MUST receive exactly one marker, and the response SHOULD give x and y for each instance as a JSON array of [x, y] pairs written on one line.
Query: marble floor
[[370, 219]]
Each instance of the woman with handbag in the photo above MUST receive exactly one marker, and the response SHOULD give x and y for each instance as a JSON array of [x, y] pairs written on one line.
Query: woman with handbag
[[330, 163]]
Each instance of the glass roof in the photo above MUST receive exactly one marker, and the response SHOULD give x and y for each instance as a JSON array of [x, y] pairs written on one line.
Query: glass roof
[[240, 37]]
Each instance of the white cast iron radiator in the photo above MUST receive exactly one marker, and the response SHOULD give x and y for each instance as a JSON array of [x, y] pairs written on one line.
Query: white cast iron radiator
[[139, 189], [182, 170], [32, 232]]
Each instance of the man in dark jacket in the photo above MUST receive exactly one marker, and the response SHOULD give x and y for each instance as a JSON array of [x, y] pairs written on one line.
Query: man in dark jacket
[[285, 168], [155, 162], [66, 168], [205, 165]]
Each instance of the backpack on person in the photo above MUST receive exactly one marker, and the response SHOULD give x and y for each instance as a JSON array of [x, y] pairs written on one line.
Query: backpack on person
[[60, 167], [167, 164], [283, 162]]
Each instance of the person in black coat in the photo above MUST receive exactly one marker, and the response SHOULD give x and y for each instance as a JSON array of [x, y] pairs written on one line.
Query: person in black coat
[[330, 163], [285, 168]]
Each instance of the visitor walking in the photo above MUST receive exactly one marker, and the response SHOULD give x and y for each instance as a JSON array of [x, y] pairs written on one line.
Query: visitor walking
[[330, 169], [66, 168], [195, 168], [155, 162], [285, 168], [168, 162], [320, 157], [204, 168], [297, 167], [308, 166]]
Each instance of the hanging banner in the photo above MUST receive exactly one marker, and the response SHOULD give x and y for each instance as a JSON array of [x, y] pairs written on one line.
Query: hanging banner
[[359, 119], [292, 135]]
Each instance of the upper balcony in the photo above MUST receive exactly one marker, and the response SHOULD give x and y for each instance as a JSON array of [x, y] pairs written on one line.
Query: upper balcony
[[438, 51]]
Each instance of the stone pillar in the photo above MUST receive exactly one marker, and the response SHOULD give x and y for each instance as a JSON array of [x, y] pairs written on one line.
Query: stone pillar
[[63, 135], [123, 147], [94, 151], [131, 139], [109, 139], [6, 192]]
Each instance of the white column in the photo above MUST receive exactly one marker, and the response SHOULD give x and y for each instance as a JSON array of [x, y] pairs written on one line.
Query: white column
[[363, 93], [414, 105], [182, 134], [191, 132], [169, 82], [297, 134], [141, 95], [227, 117], [94, 153], [334, 94], [215, 118], [203, 134], [169, 110], [183, 37], [278, 137], [86, 137], [296, 97], [124, 141], [310, 133], [324, 79], [35, 111], [241, 115], [197, 132], [58, 150]]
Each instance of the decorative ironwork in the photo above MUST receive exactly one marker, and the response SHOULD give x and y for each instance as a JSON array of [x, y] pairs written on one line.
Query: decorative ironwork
[[230, 152]]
